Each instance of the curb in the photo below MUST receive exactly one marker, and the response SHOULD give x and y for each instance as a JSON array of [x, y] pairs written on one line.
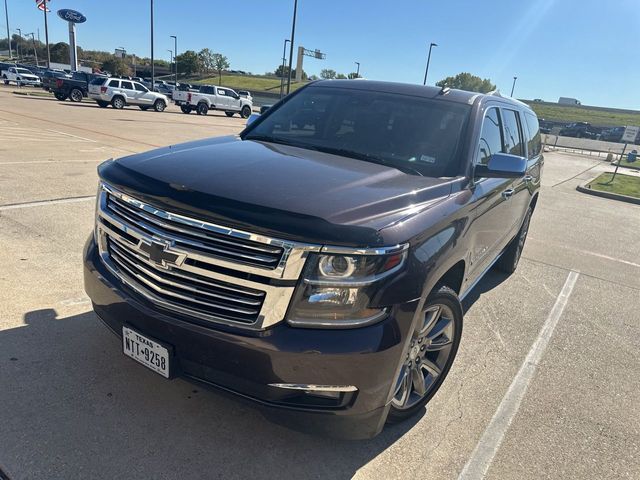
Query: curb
[[609, 195]]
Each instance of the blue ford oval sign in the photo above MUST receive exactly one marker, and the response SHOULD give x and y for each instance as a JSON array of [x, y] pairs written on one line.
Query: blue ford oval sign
[[71, 16]]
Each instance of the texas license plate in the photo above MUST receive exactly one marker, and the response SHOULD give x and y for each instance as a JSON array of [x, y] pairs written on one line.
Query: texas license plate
[[145, 351]]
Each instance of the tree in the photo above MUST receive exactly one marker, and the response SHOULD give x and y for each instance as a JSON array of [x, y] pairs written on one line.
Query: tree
[[327, 73], [116, 66], [206, 59], [188, 62], [220, 63], [283, 72], [341, 76], [466, 81], [353, 75]]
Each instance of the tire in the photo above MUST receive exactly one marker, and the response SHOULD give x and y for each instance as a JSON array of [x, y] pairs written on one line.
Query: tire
[[202, 108], [117, 103], [508, 262], [103, 104], [245, 112], [229, 114], [144, 108], [432, 349], [75, 95], [60, 96], [185, 109], [159, 106], [4, 79]]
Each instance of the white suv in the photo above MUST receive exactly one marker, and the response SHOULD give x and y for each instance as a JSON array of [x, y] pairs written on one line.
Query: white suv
[[119, 93]]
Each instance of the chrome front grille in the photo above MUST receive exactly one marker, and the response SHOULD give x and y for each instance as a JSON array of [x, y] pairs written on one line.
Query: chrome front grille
[[195, 268]]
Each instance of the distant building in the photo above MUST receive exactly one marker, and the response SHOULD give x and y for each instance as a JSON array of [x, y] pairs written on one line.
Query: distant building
[[569, 101]]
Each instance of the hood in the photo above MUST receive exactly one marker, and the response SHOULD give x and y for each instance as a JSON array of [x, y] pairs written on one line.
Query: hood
[[283, 191]]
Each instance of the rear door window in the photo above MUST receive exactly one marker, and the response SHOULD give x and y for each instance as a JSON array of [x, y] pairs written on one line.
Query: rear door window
[[221, 91], [534, 146], [511, 130], [490, 137], [126, 85]]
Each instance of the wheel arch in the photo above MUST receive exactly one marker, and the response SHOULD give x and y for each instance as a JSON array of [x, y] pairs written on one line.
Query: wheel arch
[[534, 201], [453, 277]]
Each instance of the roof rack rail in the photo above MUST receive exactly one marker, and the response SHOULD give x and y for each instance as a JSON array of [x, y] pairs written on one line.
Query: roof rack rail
[[444, 90], [495, 93]]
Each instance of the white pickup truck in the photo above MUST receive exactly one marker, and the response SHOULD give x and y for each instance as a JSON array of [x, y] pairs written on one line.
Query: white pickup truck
[[20, 76], [210, 97]]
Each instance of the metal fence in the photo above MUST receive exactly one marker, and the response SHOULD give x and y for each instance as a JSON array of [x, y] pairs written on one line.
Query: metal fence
[[586, 146]]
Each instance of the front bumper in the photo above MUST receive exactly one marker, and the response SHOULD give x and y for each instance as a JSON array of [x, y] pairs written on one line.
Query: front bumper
[[247, 362], [33, 83]]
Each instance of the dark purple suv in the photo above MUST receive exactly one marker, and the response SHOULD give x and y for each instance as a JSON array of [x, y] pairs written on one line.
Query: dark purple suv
[[315, 263]]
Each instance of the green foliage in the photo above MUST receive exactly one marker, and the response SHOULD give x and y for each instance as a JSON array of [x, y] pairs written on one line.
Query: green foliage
[[623, 184], [283, 72], [220, 63], [341, 76], [599, 117], [116, 66], [353, 75], [328, 73], [188, 62], [206, 57], [466, 81]]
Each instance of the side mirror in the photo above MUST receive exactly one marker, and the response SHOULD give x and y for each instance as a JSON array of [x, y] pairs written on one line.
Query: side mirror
[[502, 165], [252, 118]]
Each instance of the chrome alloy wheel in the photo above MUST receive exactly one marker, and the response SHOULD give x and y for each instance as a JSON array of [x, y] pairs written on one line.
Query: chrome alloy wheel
[[429, 351]]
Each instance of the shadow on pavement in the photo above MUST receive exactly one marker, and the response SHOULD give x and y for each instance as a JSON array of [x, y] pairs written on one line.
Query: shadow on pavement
[[73, 406], [491, 280]]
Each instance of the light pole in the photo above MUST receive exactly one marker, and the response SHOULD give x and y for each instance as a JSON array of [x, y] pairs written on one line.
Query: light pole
[[284, 65], [358, 70], [175, 55], [428, 61], [514, 85], [35, 52], [6, 15], [293, 36], [46, 35], [170, 56], [153, 68], [18, 43]]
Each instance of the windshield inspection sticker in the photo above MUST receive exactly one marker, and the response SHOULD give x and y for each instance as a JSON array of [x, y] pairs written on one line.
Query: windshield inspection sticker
[[427, 159]]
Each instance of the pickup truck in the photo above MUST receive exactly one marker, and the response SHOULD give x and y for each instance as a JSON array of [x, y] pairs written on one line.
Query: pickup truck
[[316, 262], [210, 97], [75, 87], [49, 78], [20, 76], [579, 130]]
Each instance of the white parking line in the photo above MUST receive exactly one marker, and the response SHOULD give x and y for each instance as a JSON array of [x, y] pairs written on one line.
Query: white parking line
[[74, 136], [41, 203], [587, 252], [489, 443]]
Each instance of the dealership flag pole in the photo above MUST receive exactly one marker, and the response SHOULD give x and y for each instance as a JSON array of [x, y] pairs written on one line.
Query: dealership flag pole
[[6, 14]]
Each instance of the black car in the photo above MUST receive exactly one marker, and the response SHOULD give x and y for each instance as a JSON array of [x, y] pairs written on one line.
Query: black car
[[579, 130], [316, 262], [49, 78], [612, 134], [74, 87]]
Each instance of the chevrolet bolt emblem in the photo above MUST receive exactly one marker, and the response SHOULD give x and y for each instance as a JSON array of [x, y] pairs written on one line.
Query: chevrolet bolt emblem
[[161, 254]]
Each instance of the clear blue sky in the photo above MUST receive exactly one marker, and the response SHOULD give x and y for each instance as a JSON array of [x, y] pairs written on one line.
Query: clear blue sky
[[587, 49]]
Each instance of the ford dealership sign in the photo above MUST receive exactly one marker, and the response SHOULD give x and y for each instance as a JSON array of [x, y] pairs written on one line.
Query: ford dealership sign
[[71, 16]]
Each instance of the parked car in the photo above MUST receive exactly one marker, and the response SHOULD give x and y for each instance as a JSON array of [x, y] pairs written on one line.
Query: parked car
[[49, 78], [246, 94], [612, 134], [166, 89], [210, 97], [120, 93], [74, 87], [20, 76], [579, 130], [316, 262], [545, 125]]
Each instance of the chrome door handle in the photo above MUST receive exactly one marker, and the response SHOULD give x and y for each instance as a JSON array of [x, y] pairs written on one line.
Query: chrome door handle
[[507, 193], [528, 178]]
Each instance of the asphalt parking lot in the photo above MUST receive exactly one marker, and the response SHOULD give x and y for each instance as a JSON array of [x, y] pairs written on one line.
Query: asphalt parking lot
[[545, 384]]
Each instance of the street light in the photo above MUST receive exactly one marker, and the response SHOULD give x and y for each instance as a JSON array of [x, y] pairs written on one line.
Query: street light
[[153, 68], [284, 59], [293, 36], [6, 15], [35, 52], [514, 85], [428, 61], [358, 71], [175, 55]]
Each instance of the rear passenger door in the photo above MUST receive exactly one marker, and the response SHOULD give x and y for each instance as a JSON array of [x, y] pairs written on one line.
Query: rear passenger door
[[515, 144], [127, 88], [222, 100]]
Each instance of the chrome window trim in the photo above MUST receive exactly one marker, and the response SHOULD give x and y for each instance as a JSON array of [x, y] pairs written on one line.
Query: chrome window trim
[[290, 265]]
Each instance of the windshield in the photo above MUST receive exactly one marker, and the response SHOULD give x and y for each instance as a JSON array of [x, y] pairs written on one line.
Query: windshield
[[22, 70], [416, 135]]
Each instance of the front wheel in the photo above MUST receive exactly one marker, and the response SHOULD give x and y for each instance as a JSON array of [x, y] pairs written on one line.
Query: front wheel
[[185, 109], [433, 345], [60, 96], [511, 256], [159, 106], [75, 95], [245, 112]]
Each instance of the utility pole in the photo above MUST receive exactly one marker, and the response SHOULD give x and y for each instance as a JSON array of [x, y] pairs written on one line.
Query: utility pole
[[284, 66], [153, 68], [175, 55], [428, 61], [35, 52], [18, 43], [514, 85], [46, 34], [293, 36], [6, 16], [358, 70]]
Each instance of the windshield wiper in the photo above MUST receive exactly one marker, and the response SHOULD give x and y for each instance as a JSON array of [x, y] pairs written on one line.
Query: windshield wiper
[[270, 139], [365, 157]]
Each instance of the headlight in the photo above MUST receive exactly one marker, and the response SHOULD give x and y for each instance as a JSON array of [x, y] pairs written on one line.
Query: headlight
[[337, 287]]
